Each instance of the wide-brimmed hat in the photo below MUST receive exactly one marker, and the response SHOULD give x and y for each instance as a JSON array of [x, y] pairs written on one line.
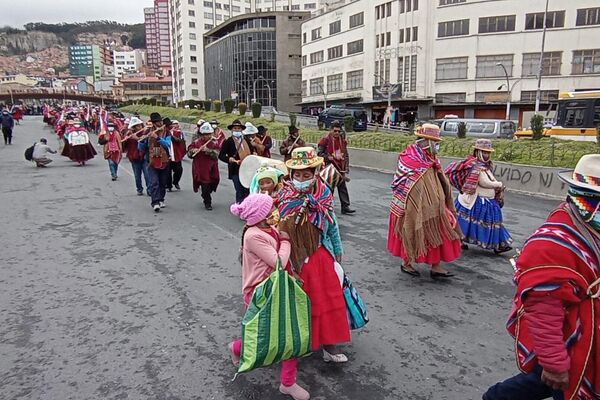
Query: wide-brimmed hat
[[134, 121], [175, 122], [155, 117], [236, 123], [586, 174], [429, 131], [261, 130], [167, 121], [206, 129], [214, 122], [304, 158], [200, 122], [249, 129], [483, 145]]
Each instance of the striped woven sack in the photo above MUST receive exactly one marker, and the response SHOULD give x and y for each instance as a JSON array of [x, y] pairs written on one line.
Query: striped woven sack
[[277, 323]]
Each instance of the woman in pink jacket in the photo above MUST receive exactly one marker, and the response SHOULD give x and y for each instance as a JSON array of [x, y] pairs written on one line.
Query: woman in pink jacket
[[262, 246]]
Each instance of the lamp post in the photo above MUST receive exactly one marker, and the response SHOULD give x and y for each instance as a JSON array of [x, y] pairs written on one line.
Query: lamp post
[[539, 82]]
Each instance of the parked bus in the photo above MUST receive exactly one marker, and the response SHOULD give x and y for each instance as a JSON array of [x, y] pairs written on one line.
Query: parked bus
[[577, 116]]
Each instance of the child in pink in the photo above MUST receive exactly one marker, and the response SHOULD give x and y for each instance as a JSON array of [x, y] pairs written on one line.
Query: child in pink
[[262, 246]]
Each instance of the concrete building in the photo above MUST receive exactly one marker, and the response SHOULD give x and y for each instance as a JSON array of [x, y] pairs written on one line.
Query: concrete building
[[158, 44], [448, 56], [150, 87], [190, 19], [256, 57], [128, 61], [84, 60]]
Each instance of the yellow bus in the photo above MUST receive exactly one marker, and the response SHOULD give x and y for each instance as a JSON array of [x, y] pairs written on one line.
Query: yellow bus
[[577, 116]]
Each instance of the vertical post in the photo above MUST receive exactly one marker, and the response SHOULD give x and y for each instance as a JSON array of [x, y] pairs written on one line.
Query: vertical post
[[539, 82]]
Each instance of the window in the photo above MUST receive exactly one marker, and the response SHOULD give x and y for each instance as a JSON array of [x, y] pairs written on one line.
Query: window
[[304, 37], [408, 5], [316, 57], [551, 63], [354, 80], [383, 11], [355, 47], [194, 92], [304, 61], [554, 19], [192, 24], [191, 2], [208, 4], [407, 72], [193, 59], [490, 97], [192, 36], [504, 23], [415, 33], [453, 28], [316, 34], [446, 2], [194, 81], [450, 97], [451, 68], [191, 13], [208, 15], [310, 6], [487, 66], [208, 26], [586, 62], [388, 38], [588, 16], [357, 20], [335, 27], [194, 70], [192, 47], [545, 95], [335, 83], [316, 86], [304, 87], [335, 52]]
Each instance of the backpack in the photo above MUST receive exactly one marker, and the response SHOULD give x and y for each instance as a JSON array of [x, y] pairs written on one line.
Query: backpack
[[29, 153]]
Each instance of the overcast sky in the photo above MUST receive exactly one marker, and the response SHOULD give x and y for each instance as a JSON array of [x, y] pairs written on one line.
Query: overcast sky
[[21, 12]]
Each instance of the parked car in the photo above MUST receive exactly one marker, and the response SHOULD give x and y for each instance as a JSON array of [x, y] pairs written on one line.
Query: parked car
[[337, 113], [480, 128]]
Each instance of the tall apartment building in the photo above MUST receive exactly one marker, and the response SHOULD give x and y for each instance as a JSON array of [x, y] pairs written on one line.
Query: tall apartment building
[[128, 61], [191, 19], [448, 56], [85, 60], [158, 43]]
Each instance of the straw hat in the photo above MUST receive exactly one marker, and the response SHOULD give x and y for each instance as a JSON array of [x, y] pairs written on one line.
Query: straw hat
[[304, 158], [429, 131], [484, 145], [586, 174]]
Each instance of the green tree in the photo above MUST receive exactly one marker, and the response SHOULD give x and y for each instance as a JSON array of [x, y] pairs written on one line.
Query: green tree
[[228, 104], [217, 105], [461, 133], [537, 126], [349, 123], [256, 110], [242, 108]]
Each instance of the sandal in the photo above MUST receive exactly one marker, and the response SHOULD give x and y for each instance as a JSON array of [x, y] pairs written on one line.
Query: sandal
[[502, 250], [411, 272], [435, 275]]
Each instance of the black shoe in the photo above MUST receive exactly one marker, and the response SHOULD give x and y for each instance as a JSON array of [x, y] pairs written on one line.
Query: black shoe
[[208, 207], [348, 210], [140, 193], [114, 178], [177, 186], [412, 272], [502, 250], [443, 275]]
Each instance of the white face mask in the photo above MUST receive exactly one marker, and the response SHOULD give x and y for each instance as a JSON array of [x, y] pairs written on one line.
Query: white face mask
[[236, 134], [303, 186]]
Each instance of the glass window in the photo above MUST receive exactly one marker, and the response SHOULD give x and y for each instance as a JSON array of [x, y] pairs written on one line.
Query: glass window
[[354, 80], [588, 16], [335, 83], [335, 52], [545, 95], [487, 66], [316, 57], [357, 20], [451, 68], [335, 27], [316, 86], [316, 34], [586, 62], [304, 87], [355, 47], [551, 63], [554, 19], [503, 23], [453, 28]]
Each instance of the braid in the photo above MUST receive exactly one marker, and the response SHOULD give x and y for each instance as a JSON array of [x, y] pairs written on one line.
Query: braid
[[242, 245]]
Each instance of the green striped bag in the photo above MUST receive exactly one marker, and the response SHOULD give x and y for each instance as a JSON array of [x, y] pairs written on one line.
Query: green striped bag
[[276, 326]]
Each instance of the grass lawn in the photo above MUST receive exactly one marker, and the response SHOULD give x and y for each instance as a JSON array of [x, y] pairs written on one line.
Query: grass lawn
[[545, 152]]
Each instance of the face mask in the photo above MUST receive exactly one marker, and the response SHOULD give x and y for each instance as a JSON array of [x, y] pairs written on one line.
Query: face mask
[[302, 186], [236, 134]]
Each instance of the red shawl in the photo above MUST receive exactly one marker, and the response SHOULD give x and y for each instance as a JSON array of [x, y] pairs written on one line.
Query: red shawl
[[464, 175], [559, 260], [333, 145]]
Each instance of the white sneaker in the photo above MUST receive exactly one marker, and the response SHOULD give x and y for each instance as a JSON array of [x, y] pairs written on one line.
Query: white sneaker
[[334, 358], [296, 391], [156, 208], [161, 204]]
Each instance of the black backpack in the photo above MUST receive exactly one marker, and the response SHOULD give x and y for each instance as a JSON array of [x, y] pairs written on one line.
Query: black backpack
[[29, 153]]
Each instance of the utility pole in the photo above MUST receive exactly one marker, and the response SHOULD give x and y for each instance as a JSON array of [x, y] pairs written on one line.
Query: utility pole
[[538, 93]]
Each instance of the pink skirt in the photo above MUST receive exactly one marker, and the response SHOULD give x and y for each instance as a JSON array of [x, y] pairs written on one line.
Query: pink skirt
[[448, 251]]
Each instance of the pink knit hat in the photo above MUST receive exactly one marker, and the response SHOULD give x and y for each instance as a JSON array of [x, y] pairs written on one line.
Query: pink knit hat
[[254, 208]]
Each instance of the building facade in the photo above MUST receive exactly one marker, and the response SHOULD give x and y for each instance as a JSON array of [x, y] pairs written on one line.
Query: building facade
[[137, 86], [256, 57], [128, 61], [432, 58], [191, 19], [158, 43], [84, 60]]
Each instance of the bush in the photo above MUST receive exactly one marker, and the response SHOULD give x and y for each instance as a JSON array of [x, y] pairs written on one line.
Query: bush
[[349, 123], [293, 119], [242, 108], [228, 104], [537, 126], [256, 110], [462, 130], [207, 105], [217, 106]]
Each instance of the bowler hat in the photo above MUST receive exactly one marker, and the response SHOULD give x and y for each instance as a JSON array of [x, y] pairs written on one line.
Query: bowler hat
[[167, 121], [429, 131], [236, 123], [155, 117], [261, 130]]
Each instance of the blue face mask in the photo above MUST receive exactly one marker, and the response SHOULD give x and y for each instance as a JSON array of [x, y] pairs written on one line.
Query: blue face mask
[[236, 134], [302, 186]]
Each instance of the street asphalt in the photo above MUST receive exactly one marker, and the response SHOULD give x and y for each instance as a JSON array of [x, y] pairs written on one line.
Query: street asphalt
[[101, 298]]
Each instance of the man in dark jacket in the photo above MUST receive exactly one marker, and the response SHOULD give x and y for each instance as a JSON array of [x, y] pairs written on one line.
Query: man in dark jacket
[[8, 123], [234, 150]]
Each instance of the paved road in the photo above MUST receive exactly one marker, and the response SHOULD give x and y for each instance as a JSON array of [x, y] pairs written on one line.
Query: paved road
[[102, 299]]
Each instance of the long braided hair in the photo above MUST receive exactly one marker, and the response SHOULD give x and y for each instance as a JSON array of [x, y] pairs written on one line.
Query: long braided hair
[[246, 227]]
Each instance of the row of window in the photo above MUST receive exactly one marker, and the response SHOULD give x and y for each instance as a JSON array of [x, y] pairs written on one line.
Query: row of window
[[385, 10], [404, 36], [407, 72], [507, 23], [335, 83], [336, 27], [584, 62], [335, 52], [526, 96]]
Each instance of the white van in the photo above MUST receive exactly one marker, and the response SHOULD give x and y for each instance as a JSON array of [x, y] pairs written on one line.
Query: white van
[[480, 128]]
